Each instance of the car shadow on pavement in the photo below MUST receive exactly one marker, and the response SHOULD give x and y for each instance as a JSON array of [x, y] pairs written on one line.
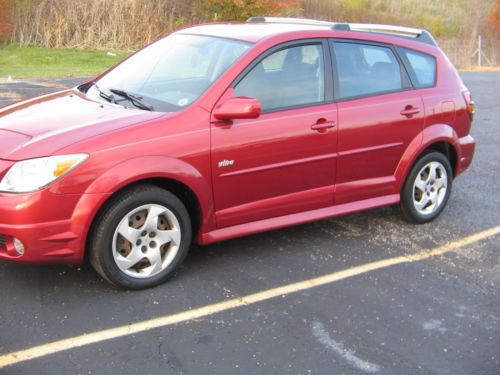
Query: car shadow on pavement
[[285, 247]]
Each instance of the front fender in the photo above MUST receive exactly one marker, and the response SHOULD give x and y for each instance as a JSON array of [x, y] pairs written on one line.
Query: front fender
[[429, 135], [147, 167]]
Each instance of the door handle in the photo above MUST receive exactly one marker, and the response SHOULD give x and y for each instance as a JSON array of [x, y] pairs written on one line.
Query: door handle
[[410, 111], [322, 126]]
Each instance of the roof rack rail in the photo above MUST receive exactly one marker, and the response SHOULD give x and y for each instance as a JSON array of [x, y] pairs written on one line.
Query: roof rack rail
[[403, 32], [400, 31], [297, 21]]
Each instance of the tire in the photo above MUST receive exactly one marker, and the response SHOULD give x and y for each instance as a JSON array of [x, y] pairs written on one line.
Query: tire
[[140, 238], [425, 193]]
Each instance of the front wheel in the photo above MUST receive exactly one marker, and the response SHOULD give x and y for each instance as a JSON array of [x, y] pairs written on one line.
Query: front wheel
[[141, 238], [427, 188]]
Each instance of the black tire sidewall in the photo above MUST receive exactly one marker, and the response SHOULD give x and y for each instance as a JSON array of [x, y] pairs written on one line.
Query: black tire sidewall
[[109, 221], [408, 207]]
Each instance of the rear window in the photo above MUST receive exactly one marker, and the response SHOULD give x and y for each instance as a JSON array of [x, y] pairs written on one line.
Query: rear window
[[422, 67]]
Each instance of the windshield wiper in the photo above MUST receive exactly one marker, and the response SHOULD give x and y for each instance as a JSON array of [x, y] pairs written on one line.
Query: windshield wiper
[[102, 94], [135, 99]]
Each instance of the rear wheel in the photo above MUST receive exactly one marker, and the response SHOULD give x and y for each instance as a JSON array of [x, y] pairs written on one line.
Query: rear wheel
[[141, 238], [427, 188]]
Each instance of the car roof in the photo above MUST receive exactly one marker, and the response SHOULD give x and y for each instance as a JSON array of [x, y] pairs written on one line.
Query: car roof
[[257, 28], [249, 32]]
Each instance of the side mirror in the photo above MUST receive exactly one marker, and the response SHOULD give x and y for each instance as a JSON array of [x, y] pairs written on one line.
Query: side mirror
[[238, 108]]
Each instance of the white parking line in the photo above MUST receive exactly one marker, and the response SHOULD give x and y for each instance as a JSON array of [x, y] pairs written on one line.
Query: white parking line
[[338, 348], [133, 328]]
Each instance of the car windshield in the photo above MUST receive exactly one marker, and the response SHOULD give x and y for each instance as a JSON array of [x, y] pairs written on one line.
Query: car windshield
[[170, 74]]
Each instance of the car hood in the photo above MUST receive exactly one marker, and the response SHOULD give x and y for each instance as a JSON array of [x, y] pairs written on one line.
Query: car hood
[[10, 141], [43, 125]]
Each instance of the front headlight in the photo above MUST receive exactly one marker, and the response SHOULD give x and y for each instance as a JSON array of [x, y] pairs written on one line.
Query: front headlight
[[33, 174]]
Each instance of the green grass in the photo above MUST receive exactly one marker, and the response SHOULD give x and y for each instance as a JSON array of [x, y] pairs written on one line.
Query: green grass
[[34, 62]]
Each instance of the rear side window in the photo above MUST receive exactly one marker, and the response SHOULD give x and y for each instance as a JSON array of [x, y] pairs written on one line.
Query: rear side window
[[291, 77], [422, 67], [366, 70]]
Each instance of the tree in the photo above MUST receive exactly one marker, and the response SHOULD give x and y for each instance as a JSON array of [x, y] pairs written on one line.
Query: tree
[[5, 18], [494, 19], [239, 10]]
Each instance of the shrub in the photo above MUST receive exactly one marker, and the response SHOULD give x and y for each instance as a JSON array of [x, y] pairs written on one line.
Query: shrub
[[124, 24]]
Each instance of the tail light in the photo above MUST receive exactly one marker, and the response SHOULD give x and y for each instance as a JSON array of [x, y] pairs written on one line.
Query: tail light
[[469, 103]]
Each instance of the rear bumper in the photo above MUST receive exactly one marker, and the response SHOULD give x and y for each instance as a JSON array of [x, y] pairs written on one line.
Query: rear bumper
[[467, 146], [53, 228]]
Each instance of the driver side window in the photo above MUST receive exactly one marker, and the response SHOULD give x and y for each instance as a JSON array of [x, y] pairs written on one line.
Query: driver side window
[[290, 77]]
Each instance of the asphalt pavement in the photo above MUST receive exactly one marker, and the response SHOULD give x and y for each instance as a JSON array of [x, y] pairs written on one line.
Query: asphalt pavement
[[438, 315]]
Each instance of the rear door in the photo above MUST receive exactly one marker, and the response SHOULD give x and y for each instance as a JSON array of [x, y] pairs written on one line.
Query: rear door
[[379, 115], [284, 161]]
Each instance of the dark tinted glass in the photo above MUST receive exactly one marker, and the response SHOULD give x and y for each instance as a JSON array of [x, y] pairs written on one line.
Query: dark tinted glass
[[290, 77], [366, 70]]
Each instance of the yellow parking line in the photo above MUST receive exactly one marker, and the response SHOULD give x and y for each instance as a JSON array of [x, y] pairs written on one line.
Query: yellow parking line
[[130, 329]]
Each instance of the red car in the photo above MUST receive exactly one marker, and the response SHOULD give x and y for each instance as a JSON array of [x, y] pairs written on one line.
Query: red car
[[225, 130]]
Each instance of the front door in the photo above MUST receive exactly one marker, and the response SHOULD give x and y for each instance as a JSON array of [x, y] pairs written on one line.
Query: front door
[[284, 161]]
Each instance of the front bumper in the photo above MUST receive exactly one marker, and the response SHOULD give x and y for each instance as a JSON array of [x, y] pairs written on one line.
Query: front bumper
[[53, 228]]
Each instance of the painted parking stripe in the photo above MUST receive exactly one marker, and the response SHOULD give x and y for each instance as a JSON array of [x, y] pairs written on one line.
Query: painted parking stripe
[[185, 316], [348, 355]]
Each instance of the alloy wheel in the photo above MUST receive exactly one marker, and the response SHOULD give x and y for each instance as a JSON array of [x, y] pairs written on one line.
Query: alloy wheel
[[430, 187]]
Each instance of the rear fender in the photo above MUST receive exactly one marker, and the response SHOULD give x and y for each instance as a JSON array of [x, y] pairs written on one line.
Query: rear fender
[[430, 135]]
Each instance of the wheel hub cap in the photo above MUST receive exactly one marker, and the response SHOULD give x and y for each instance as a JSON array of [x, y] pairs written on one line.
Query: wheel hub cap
[[146, 241]]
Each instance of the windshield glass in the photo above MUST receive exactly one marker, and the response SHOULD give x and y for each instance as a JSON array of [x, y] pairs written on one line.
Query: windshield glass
[[170, 74]]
